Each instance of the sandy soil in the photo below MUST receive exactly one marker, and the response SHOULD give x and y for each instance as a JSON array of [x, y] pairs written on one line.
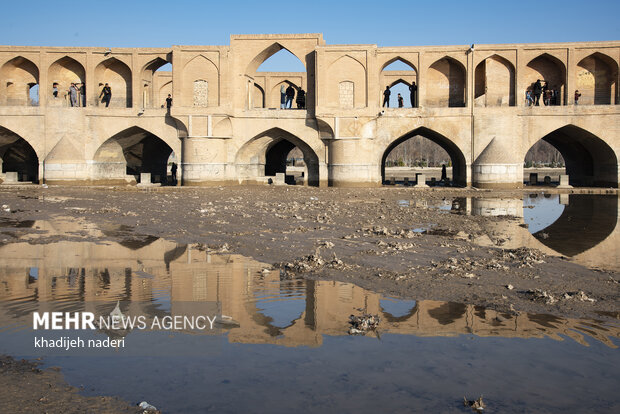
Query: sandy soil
[[360, 236]]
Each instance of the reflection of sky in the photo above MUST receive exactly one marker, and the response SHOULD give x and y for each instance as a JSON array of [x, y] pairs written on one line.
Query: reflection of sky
[[541, 212], [282, 306], [397, 307]]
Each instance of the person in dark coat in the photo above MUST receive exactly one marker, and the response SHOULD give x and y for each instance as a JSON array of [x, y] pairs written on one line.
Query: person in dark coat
[[301, 99], [290, 94], [537, 90], [413, 88], [444, 173], [386, 96], [106, 92], [400, 101], [173, 173]]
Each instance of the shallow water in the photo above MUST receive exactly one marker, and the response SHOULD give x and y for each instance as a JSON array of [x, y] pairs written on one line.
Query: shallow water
[[289, 349]]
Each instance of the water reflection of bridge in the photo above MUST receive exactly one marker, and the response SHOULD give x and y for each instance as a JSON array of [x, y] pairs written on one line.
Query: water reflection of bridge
[[156, 276]]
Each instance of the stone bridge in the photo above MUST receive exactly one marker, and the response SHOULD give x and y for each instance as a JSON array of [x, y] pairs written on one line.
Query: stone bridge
[[225, 125]]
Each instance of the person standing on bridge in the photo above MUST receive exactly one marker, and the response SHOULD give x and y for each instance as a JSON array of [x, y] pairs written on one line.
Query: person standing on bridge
[[301, 99], [173, 172], [282, 97], [83, 93], [412, 93], [290, 94], [577, 95], [73, 95], [386, 97], [106, 92], [444, 173], [400, 101], [168, 103], [537, 91]]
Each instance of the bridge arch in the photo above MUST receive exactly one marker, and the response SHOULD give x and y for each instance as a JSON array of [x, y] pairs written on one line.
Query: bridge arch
[[597, 80], [18, 156], [18, 76], [265, 154], [64, 72], [266, 53], [494, 82], [118, 75], [127, 154], [459, 163], [155, 86], [549, 69], [448, 76], [589, 160]]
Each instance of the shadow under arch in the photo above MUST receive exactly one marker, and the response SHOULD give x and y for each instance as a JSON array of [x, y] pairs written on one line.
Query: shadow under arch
[[459, 165], [586, 221], [131, 152], [17, 155], [589, 160], [265, 155]]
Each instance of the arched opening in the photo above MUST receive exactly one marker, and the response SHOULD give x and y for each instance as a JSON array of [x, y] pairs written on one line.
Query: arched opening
[[61, 74], [543, 160], [495, 82], [448, 79], [18, 159], [118, 76], [20, 80], [281, 76], [258, 99], [401, 76], [276, 152], [201, 83], [130, 153], [597, 77], [346, 88], [588, 160], [156, 80], [426, 148], [552, 74]]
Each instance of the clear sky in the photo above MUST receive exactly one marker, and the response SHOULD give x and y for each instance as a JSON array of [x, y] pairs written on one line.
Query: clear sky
[[155, 23]]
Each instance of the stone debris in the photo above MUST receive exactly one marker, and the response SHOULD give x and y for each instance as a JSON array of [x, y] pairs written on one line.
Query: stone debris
[[580, 296], [476, 405], [523, 256], [148, 408], [538, 294], [360, 325], [509, 286]]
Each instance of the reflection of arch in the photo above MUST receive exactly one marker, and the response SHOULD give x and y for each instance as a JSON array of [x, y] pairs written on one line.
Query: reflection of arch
[[459, 165], [448, 312], [17, 155], [347, 68], [118, 75], [495, 81], [590, 161], [395, 319], [17, 76], [266, 153], [447, 75], [151, 89], [65, 71], [549, 69], [586, 221], [131, 152], [597, 76]]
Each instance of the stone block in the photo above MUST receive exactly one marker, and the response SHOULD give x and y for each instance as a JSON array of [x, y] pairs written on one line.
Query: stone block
[[420, 180], [280, 179], [11, 177], [145, 178], [564, 182]]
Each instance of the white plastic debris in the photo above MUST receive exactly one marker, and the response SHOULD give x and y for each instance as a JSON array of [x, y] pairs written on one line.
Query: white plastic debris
[[146, 406]]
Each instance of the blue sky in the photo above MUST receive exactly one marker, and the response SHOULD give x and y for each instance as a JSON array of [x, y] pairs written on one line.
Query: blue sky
[[155, 23]]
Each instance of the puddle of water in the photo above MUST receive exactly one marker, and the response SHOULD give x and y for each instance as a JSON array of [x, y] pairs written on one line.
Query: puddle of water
[[290, 346]]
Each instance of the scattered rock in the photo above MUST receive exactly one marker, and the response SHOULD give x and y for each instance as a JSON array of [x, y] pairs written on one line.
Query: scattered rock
[[360, 325], [476, 405]]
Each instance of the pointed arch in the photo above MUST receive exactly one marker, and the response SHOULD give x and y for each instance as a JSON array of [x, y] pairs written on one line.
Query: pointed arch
[[18, 156], [164, 91], [151, 83], [589, 160], [459, 164], [549, 69], [448, 77], [117, 74], [398, 59], [258, 98], [494, 82], [266, 53], [18, 76], [201, 68], [130, 152], [64, 72], [266, 153], [274, 94], [597, 80], [347, 69]]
